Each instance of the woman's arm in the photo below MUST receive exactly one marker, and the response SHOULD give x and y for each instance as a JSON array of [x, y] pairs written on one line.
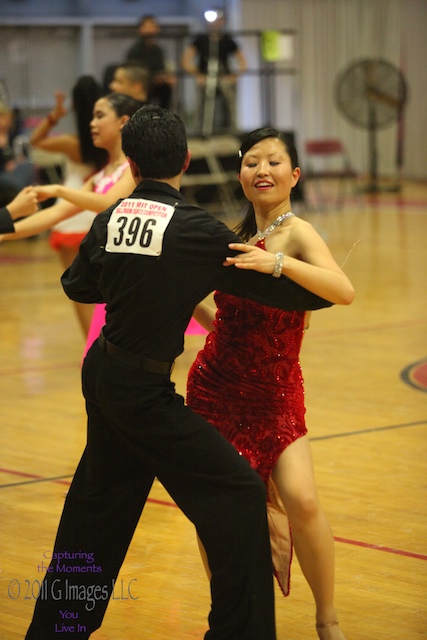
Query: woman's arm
[[315, 269], [41, 221], [204, 314], [66, 143], [86, 198], [83, 198], [40, 132]]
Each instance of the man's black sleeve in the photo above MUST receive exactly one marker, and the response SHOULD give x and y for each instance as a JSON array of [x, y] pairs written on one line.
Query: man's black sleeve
[[6, 222], [282, 292]]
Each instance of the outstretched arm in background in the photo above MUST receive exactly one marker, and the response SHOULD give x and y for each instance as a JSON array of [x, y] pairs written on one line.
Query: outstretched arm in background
[[67, 143], [86, 198], [79, 199]]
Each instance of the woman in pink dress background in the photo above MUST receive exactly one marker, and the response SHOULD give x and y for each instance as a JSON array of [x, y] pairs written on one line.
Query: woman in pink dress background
[[100, 191], [81, 160]]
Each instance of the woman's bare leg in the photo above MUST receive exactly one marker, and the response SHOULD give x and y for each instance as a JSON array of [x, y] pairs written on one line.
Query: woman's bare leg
[[293, 476]]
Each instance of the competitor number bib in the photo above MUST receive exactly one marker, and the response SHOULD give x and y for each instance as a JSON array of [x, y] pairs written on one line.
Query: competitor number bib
[[138, 226]]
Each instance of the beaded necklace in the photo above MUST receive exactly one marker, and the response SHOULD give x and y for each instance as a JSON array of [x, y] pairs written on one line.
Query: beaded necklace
[[276, 223]]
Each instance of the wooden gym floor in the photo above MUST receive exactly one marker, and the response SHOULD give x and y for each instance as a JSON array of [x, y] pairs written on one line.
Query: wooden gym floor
[[365, 372]]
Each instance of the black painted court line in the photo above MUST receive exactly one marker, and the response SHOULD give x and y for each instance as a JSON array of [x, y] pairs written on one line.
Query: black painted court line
[[372, 430], [33, 478]]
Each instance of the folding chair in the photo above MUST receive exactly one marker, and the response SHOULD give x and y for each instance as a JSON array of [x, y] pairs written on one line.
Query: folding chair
[[327, 160], [210, 159]]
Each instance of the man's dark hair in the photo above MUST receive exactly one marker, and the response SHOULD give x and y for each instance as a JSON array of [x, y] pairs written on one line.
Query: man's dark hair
[[155, 139]]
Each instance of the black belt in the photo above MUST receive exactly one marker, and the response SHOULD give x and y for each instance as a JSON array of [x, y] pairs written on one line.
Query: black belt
[[134, 360]]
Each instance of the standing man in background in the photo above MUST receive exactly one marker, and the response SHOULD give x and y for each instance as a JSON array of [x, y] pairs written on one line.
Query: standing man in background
[[146, 52], [216, 61]]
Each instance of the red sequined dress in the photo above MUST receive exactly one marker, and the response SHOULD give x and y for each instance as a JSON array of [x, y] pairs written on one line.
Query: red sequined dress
[[247, 382]]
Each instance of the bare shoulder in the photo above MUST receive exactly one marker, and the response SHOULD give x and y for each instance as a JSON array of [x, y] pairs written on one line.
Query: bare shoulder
[[303, 238], [304, 229], [301, 230], [299, 225]]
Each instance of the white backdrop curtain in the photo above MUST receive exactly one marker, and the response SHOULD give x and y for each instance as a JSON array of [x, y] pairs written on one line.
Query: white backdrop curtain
[[331, 35]]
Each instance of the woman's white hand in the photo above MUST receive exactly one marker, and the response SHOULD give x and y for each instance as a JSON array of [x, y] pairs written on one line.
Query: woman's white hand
[[253, 258]]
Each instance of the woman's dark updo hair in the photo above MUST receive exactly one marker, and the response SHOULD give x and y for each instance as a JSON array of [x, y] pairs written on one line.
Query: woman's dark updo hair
[[123, 105], [247, 228], [85, 93]]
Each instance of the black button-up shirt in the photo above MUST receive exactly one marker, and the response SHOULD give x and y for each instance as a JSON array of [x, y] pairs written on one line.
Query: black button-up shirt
[[150, 299]]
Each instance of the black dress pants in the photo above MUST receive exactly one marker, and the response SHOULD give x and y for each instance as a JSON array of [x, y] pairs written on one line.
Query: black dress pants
[[139, 428]]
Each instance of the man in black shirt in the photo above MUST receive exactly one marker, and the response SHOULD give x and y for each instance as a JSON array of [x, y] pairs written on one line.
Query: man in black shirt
[[146, 52], [151, 258], [215, 60]]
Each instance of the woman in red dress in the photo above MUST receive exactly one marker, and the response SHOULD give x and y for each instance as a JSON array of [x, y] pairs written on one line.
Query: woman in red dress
[[247, 380]]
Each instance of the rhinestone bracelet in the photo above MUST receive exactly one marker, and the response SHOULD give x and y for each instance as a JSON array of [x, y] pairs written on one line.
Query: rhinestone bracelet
[[278, 266]]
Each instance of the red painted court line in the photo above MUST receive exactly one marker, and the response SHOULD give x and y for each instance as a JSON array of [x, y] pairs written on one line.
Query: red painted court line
[[20, 473], [39, 368], [33, 476], [378, 547], [22, 259], [166, 503]]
